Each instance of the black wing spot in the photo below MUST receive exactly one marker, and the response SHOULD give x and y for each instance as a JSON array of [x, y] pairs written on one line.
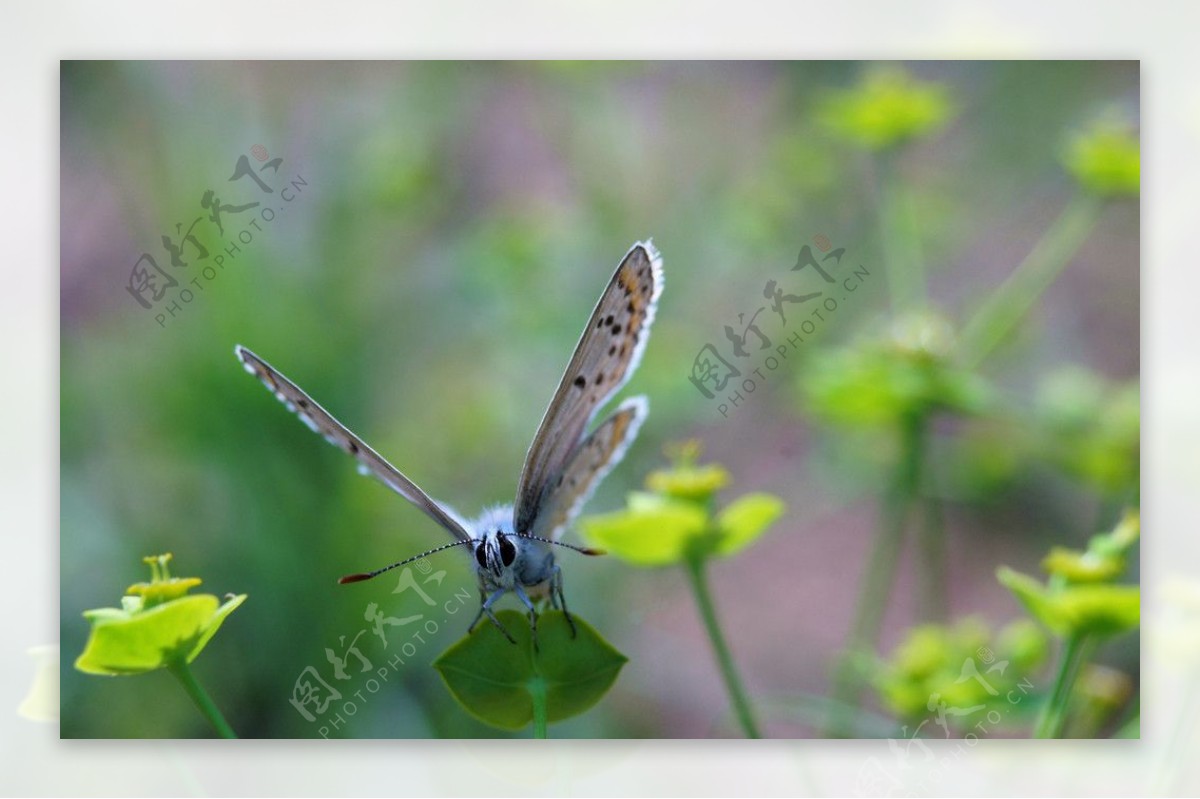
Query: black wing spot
[[608, 320], [353, 447], [599, 378], [580, 381], [616, 331], [612, 350]]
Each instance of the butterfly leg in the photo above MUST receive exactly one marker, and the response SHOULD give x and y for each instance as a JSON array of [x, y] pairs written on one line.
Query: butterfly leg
[[521, 595], [557, 598], [485, 609]]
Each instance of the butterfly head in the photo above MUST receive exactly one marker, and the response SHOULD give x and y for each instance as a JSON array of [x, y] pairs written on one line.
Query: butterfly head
[[496, 551]]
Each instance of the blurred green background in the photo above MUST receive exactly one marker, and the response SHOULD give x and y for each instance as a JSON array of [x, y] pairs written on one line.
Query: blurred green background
[[453, 226]]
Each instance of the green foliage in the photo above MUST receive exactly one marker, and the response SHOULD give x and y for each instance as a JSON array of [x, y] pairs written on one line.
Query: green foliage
[[934, 664], [1091, 428], [908, 372], [1106, 159], [1080, 605], [675, 522], [887, 108], [1080, 598], [506, 685], [158, 625]]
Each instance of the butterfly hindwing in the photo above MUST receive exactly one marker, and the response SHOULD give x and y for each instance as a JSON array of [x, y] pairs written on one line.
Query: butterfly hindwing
[[591, 461], [370, 462], [605, 357]]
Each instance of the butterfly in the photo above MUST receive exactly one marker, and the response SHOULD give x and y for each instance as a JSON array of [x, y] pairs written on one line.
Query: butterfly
[[512, 546]]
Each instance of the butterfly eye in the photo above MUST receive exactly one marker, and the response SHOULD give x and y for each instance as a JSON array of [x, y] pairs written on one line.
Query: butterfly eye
[[480, 557], [508, 552]]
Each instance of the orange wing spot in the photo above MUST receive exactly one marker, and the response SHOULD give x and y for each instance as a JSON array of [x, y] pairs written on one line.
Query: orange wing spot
[[628, 281], [620, 427]]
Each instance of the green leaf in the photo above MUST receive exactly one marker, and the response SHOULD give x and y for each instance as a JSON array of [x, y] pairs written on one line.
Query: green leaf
[[745, 519], [654, 531], [495, 680]]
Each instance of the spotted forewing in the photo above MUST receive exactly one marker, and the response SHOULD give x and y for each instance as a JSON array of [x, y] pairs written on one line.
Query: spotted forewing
[[605, 357]]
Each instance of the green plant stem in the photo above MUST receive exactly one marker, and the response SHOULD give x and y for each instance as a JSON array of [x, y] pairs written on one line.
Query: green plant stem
[[932, 563], [1017, 294], [537, 690], [898, 236], [876, 585], [733, 684], [183, 673], [1054, 712]]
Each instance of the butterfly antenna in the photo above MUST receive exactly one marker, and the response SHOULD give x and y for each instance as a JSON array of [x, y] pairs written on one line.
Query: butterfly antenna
[[358, 578], [581, 550]]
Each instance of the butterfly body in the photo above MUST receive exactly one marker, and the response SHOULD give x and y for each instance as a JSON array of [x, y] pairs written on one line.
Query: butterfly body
[[512, 546], [505, 562]]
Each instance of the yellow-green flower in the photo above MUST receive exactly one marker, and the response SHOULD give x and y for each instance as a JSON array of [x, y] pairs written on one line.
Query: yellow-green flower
[[1080, 597], [157, 625], [1083, 567], [1106, 159], [1073, 610], [675, 519], [887, 108], [965, 665], [1091, 428], [908, 371]]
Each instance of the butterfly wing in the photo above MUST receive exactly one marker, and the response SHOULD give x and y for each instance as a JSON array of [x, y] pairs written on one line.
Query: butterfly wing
[[605, 357], [591, 461], [370, 462]]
